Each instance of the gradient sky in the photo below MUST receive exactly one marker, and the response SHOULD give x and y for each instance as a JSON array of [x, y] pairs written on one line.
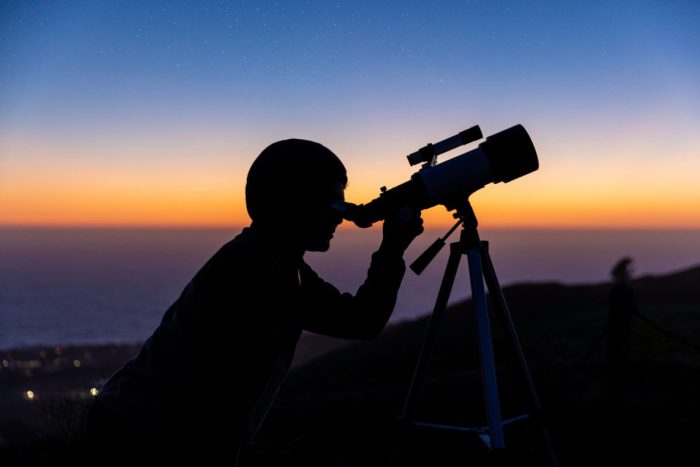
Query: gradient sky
[[150, 113]]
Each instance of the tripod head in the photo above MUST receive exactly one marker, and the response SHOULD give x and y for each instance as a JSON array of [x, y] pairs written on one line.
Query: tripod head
[[464, 213]]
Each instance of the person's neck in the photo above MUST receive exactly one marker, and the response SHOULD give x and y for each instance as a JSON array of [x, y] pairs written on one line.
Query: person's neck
[[281, 246]]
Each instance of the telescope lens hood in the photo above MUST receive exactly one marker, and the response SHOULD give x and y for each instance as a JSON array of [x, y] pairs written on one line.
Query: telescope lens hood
[[510, 153]]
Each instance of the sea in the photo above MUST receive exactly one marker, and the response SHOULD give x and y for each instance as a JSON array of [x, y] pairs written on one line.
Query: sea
[[63, 286]]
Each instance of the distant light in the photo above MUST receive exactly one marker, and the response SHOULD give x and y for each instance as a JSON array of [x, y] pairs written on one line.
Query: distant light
[[94, 392], [30, 395], [76, 363], [5, 363], [58, 350]]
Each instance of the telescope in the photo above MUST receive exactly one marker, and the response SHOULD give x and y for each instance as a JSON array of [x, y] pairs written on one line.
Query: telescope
[[502, 157]]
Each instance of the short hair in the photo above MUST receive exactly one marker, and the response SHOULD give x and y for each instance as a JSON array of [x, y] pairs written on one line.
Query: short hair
[[291, 170]]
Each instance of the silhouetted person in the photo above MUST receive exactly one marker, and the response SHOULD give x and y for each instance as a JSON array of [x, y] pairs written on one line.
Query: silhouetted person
[[621, 307], [201, 385]]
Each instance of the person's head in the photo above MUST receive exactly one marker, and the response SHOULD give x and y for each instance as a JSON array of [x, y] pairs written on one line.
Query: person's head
[[621, 272], [291, 189]]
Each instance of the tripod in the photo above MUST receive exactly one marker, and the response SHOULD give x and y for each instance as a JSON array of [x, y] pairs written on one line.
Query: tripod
[[480, 269]]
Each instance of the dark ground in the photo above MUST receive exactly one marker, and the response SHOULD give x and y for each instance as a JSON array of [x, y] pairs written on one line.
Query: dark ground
[[341, 409]]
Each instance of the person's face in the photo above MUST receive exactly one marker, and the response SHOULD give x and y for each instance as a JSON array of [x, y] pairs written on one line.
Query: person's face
[[322, 217]]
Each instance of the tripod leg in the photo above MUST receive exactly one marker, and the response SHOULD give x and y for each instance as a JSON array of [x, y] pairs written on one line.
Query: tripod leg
[[409, 410], [414, 390], [488, 364], [514, 343]]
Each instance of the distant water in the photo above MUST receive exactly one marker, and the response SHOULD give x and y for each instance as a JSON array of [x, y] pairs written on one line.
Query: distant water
[[62, 286]]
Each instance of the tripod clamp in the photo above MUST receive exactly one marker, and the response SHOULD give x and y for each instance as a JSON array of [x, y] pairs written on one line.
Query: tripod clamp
[[466, 218]]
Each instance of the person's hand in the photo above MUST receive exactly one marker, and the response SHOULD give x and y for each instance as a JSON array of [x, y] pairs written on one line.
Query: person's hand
[[399, 230]]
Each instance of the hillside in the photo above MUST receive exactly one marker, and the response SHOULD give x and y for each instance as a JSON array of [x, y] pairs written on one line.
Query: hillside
[[345, 404]]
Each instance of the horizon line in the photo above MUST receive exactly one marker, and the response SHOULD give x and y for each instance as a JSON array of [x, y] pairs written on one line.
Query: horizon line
[[341, 227]]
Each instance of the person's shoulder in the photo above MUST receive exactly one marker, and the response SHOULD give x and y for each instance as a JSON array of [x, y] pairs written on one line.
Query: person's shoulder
[[240, 255], [232, 268], [242, 244]]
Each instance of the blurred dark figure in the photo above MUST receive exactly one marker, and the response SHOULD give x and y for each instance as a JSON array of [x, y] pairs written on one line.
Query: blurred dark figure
[[201, 385], [622, 306]]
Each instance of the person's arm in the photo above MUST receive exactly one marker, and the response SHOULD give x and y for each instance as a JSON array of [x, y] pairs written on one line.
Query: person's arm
[[364, 315]]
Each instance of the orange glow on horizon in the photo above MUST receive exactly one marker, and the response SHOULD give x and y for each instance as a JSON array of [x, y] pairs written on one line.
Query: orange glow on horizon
[[98, 197], [207, 209], [564, 193]]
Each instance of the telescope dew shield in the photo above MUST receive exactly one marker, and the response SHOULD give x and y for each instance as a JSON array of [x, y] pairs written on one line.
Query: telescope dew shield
[[511, 154]]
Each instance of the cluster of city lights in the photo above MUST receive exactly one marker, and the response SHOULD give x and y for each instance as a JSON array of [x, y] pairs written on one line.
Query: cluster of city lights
[[34, 364], [51, 360], [31, 395]]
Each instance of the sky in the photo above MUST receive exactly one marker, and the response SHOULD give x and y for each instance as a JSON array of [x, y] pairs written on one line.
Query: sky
[[150, 113]]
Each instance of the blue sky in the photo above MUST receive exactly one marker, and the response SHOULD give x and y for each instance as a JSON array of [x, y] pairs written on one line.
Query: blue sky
[[126, 84]]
